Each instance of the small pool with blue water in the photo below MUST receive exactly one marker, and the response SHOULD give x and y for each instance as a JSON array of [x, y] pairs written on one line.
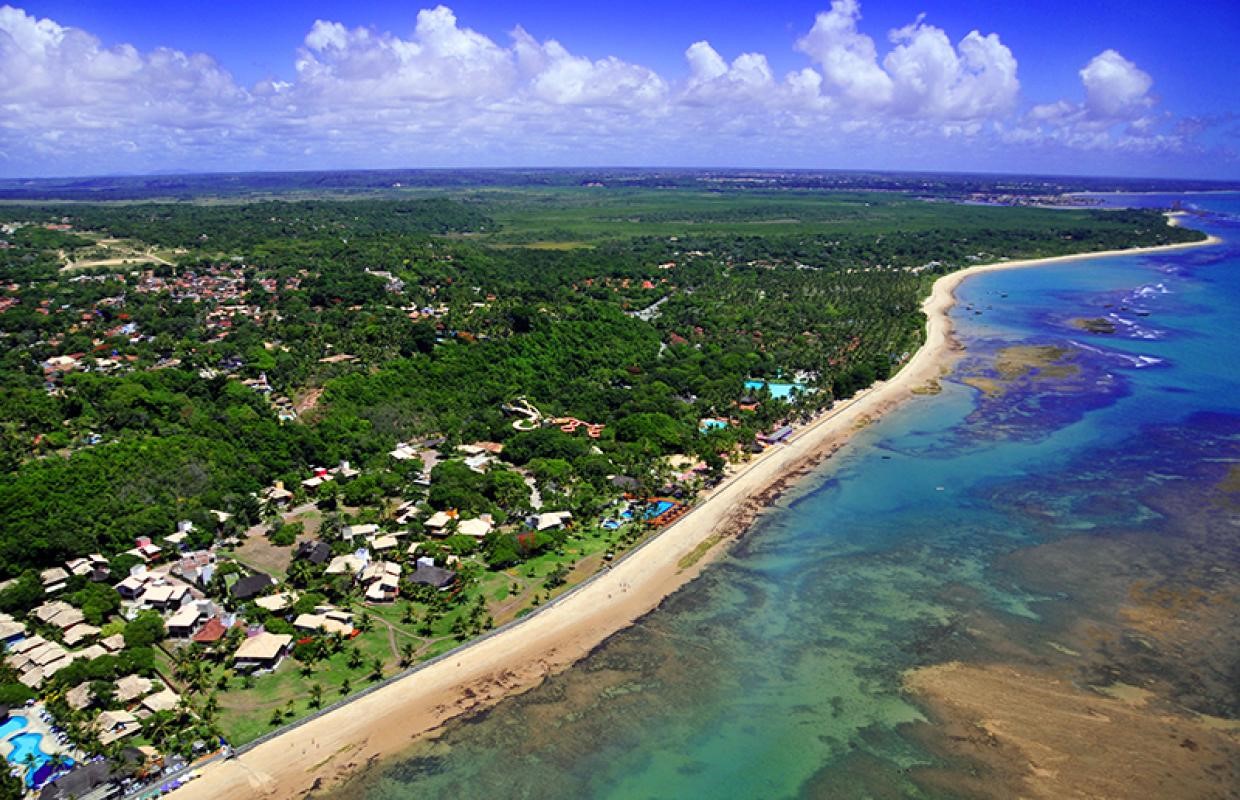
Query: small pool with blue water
[[778, 390], [11, 725]]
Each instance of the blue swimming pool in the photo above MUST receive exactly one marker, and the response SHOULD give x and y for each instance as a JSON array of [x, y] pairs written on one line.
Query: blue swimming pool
[[778, 390], [11, 725], [659, 508], [28, 752], [708, 425]]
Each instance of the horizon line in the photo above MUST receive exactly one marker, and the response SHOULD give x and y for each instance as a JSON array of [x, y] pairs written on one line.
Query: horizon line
[[175, 173]]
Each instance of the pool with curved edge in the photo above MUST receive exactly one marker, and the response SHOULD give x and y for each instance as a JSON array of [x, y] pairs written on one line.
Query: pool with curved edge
[[659, 508], [28, 752], [12, 725], [656, 509]]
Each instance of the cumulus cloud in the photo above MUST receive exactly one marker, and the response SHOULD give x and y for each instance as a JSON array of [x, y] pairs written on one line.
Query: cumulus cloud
[[749, 75], [1114, 116], [455, 81], [849, 59], [1116, 91], [442, 92], [70, 104], [924, 75], [557, 76], [440, 61], [1115, 88], [51, 74], [746, 85], [977, 78]]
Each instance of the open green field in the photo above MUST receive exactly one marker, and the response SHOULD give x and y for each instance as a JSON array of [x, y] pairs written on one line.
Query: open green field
[[564, 218], [247, 713]]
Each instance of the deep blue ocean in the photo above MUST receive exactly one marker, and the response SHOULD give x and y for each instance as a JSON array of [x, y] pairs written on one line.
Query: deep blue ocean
[[984, 524]]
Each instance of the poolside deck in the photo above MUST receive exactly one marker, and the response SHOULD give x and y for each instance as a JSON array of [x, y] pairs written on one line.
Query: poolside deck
[[35, 725]]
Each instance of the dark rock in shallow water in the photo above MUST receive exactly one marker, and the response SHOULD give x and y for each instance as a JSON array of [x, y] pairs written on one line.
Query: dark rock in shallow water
[[1096, 325]]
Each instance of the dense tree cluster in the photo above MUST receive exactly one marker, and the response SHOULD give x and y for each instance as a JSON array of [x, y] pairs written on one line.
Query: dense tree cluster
[[642, 334], [225, 227]]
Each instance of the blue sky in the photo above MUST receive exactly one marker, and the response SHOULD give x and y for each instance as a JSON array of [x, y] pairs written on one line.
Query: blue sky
[[1132, 88]]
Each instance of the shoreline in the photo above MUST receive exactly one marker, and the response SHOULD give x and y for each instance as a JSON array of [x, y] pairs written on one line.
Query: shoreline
[[330, 749]]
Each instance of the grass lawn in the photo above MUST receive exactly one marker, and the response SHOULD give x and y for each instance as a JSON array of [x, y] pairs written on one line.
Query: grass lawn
[[246, 714], [570, 217]]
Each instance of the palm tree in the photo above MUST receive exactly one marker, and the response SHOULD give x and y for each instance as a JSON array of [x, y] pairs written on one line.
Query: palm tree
[[232, 640], [316, 695], [299, 573], [198, 683], [269, 511], [346, 686], [330, 526], [112, 752], [158, 725], [406, 653], [182, 659], [376, 669], [186, 670], [355, 657], [87, 738]]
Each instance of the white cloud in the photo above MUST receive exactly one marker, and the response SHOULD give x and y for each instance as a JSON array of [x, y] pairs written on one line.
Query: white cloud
[[1115, 115], [849, 59], [446, 93], [710, 77], [747, 86], [705, 63], [923, 76], [1115, 88], [557, 76], [70, 104], [977, 78], [50, 74], [442, 60]]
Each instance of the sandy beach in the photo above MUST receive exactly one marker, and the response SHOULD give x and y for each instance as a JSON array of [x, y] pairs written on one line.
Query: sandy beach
[[329, 749]]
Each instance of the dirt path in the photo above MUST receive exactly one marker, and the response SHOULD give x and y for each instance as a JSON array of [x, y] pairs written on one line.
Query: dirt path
[[391, 636]]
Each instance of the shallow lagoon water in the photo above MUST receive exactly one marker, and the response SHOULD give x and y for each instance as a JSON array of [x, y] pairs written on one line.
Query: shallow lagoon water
[[778, 672]]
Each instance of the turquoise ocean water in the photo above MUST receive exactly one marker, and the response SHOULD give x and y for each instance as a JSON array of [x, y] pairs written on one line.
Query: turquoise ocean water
[[778, 672]]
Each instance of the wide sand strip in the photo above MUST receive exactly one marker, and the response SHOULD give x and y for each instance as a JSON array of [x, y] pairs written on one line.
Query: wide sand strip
[[332, 747]]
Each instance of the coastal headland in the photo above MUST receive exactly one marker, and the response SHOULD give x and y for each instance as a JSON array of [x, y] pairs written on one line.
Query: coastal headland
[[335, 746]]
